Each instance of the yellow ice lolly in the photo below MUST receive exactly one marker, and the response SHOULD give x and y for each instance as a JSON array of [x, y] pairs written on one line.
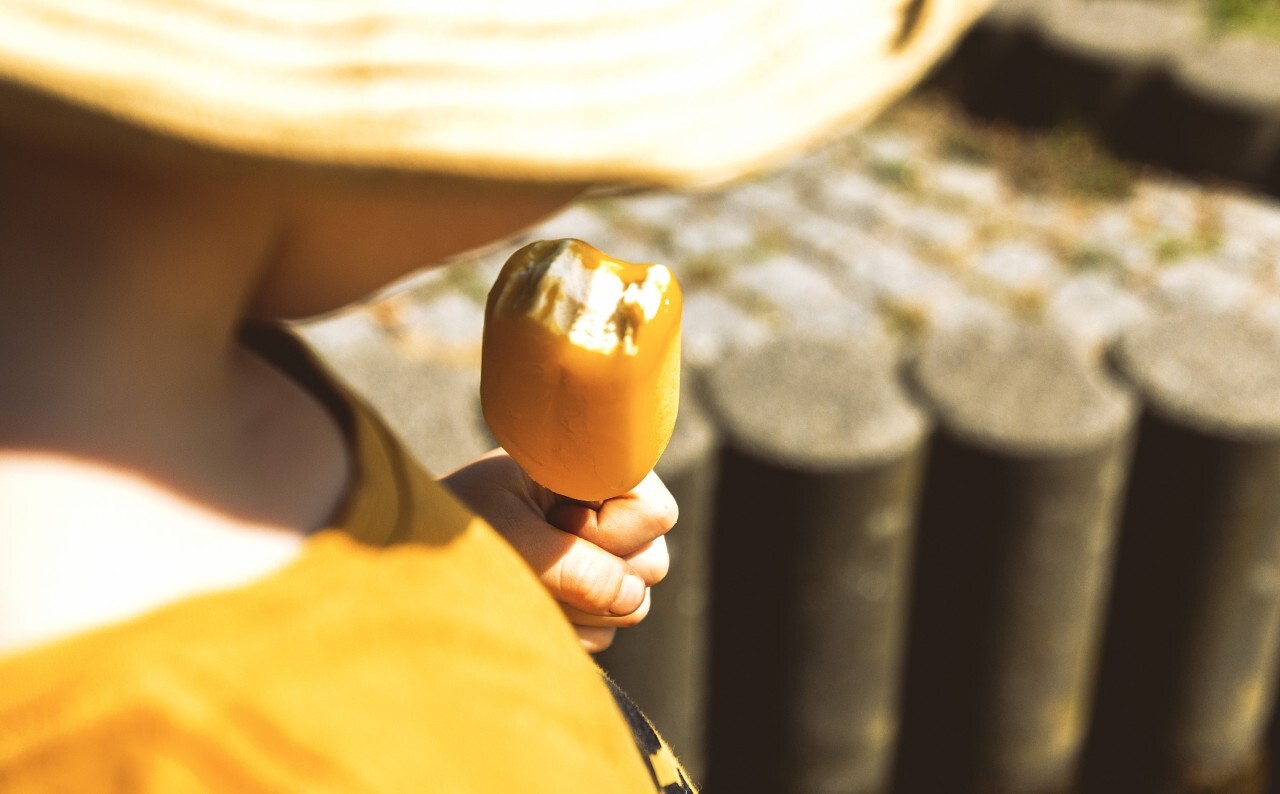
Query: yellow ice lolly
[[580, 373]]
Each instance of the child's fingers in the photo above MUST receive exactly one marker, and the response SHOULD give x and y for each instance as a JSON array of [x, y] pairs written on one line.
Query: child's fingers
[[636, 518], [579, 618], [624, 524], [595, 639], [577, 572], [605, 581], [652, 561]]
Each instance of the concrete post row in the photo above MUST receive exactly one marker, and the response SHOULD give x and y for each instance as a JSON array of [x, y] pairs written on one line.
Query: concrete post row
[[1188, 679], [819, 482], [1014, 561]]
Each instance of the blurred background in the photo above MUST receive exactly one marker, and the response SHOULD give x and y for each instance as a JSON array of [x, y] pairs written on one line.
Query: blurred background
[[979, 450]]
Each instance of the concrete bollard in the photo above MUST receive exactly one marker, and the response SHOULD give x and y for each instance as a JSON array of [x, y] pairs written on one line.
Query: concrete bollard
[[1054, 61], [1099, 56], [1013, 561], [662, 663], [1188, 678], [978, 70], [1243, 73], [814, 524], [1211, 135]]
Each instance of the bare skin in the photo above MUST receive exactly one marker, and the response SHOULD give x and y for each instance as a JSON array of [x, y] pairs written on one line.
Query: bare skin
[[579, 563], [133, 428]]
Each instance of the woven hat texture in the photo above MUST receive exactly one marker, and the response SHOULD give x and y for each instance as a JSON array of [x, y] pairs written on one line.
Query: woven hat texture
[[680, 92]]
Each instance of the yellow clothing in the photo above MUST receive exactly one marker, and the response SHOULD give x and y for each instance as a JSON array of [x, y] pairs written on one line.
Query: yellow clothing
[[410, 651]]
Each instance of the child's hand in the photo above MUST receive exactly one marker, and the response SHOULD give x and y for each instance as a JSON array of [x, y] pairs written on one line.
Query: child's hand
[[598, 564]]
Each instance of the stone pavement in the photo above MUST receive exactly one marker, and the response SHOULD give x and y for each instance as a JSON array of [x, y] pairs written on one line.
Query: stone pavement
[[924, 223]]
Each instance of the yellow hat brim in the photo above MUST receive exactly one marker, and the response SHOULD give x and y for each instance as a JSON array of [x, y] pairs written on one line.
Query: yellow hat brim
[[653, 91]]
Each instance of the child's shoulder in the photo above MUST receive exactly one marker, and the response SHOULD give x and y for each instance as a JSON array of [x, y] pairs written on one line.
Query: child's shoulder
[[81, 543]]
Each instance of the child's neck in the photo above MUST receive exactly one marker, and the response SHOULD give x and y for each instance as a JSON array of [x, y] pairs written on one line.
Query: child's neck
[[137, 440]]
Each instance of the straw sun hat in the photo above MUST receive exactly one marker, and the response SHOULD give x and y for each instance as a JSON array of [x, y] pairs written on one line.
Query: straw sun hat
[[681, 92]]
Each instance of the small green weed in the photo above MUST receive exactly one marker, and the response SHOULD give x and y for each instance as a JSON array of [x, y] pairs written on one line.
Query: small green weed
[[1070, 161], [1255, 16], [895, 173]]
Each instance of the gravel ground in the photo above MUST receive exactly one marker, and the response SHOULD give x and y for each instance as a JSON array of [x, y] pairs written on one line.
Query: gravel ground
[[925, 222]]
